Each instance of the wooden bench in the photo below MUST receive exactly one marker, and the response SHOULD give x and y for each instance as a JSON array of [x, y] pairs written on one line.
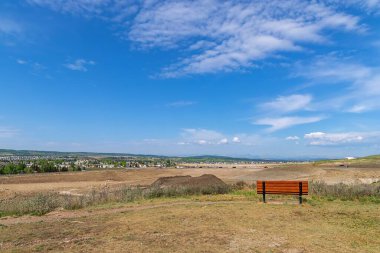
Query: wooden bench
[[283, 187]]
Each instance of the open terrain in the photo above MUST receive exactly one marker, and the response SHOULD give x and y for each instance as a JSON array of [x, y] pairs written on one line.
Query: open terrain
[[232, 222], [218, 223], [80, 182]]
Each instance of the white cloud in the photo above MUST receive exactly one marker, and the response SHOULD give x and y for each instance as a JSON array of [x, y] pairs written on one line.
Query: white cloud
[[6, 132], [21, 62], [181, 103], [88, 8], [202, 136], [79, 65], [292, 138], [35, 68], [359, 83], [321, 138], [218, 35], [223, 141], [289, 103], [244, 32], [372, 6], [358, 108], [332, 69], [9, 26], [205, 137], [285, 122], [202, 142], [11, 31]]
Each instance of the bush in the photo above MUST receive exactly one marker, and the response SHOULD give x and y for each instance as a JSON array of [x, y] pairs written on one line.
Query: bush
[[344, 191], [44, 203], [12, 168], [37, 205]]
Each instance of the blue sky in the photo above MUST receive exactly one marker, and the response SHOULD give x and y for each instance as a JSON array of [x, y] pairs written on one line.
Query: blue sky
[[267, 79]]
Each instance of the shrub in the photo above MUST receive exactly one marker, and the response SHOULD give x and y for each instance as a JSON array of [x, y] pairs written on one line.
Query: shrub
[[44, 203], [37, 205], [344, 191]]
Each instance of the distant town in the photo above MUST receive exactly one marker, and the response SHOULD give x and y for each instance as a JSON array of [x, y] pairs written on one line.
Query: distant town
[[20, 162]]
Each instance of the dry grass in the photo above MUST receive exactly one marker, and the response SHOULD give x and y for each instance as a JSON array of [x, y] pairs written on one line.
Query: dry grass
[[136, 219], [346, 191], [43, 203], [205, 224]]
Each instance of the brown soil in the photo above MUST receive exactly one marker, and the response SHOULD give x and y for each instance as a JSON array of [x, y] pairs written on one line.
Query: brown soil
[[86, 181], [206, 180]]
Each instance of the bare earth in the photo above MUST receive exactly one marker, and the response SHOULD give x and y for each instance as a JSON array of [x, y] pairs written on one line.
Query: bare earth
[[79, 182]]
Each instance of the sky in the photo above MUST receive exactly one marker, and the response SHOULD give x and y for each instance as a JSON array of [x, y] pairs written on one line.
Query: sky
[[260, 79]]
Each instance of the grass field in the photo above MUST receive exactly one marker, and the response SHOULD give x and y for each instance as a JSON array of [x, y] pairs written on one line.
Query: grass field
[[235, 222], [335, 218]]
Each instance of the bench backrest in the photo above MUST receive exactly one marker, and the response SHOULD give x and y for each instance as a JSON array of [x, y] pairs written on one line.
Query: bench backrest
[[283, 187]]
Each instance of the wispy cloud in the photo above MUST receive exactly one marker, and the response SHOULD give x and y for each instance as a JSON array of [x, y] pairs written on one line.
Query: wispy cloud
[[285, 122], [243, 32], [288, 103], [6, 132], [202, 136], [9, 26], [292, 138], [21, 62], [79, 65], [322, 139], [359, 83], [34, 67], [219, 35], [181, 103], [11, 30], [98, 8], [211, 137]]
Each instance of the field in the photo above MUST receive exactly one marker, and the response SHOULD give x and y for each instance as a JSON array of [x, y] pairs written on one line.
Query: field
[[79, 182], [234, 222]]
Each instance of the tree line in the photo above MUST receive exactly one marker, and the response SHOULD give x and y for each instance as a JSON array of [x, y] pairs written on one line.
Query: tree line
[[40, 166]]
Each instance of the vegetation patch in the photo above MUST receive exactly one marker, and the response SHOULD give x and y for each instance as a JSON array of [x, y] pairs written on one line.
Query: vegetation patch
[[342, 191], [43, 203]]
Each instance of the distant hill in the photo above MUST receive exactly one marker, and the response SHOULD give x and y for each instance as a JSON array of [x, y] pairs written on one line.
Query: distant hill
[[7, 152], [189, 159], [205, 158], [366, 161]]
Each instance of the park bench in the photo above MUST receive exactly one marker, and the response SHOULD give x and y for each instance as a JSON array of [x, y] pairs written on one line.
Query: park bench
[[283, 187]]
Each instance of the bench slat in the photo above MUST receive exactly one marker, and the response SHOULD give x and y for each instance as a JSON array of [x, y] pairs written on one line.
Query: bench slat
[[283, 187]]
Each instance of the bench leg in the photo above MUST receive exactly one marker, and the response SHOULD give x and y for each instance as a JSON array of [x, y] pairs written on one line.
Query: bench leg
[[300, 193], [264, 192]]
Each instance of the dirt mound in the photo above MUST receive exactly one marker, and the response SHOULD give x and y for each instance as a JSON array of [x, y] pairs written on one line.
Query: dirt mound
[[206, 180]]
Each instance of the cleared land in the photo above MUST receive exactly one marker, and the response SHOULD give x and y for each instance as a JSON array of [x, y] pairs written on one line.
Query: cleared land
[[80, 182]]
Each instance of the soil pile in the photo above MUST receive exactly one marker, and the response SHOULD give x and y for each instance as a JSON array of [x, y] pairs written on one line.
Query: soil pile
[[206, 180]]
